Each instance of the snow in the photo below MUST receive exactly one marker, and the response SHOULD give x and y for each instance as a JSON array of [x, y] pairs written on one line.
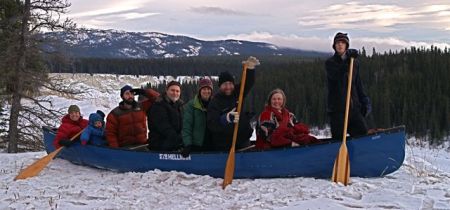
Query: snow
[[67, 186], [423, 182]]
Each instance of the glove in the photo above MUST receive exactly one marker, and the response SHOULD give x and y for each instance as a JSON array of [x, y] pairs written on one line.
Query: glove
[[65, 142], [251, 62], [138, 91], [233, 116], [353, 53], [186, 151]]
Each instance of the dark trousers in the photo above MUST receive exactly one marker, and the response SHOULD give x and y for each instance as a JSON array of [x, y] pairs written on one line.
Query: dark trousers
[[357, 125]]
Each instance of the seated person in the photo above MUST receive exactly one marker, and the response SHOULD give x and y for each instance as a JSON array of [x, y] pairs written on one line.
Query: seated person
[[94, 133], [222, 115], [126, 124], [71, 124], [277, 127], [195, 135], [165, 120]]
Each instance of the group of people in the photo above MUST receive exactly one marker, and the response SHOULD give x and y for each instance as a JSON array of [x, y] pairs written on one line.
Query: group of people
[[206, 123]]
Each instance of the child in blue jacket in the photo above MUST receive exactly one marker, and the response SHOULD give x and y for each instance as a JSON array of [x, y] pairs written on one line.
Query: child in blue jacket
[[94, 133]]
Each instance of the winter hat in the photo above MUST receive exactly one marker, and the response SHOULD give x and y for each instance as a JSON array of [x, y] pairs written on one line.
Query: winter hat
[[94, 117], [225, 77], [101, 114], [124, 89], [278, 90], [173, 82], [205, 82], [341, 37], [73, 108]]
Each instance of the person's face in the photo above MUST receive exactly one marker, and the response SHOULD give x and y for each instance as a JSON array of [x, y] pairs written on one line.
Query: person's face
[[173, 92], [227, 88], [98, 124], [74, 116], [205, 93], [340, 47], [277, 101], [128, 96]]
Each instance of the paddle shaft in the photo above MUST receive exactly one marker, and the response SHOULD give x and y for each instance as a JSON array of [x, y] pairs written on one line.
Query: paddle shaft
[[229, 167], [341, 170], [35, 168]]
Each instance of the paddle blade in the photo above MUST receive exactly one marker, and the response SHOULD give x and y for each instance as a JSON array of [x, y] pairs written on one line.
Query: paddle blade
[[35, 168], [229, 170], [341, 169]]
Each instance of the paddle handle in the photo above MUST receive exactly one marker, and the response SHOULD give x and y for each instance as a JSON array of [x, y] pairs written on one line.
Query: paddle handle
[[229, 168], [347, 102]]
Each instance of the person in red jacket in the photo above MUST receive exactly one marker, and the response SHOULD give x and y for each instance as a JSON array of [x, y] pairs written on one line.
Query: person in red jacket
[[71, 125], [277, 127], [126, 125]]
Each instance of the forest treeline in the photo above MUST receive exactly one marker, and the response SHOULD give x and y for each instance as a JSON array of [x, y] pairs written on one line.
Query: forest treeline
[[408, 87]]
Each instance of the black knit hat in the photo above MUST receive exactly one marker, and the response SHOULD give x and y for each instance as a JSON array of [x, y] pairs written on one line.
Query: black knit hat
[[225, 77], [173, 82], [124, 89], [341, 37]]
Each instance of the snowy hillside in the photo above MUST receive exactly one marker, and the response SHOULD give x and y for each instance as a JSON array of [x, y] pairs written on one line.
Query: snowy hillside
[[423, 182], [121, 44]]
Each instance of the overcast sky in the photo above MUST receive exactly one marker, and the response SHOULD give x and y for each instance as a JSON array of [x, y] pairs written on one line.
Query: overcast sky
[[291, 23]]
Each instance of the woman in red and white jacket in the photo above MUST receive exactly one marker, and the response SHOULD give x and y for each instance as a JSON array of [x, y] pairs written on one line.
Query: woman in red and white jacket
[[277, 127]]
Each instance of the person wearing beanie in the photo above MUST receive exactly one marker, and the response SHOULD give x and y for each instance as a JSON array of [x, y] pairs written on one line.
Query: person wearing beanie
[[165, 120], [94, 133], [337, 68], [222, 111], [71, 124], [126, 124], [195, 135]]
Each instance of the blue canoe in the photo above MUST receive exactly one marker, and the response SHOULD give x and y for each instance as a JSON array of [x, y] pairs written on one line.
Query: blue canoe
[[370, 156]]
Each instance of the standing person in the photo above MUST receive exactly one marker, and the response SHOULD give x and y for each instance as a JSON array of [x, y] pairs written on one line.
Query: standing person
[[71, 124], [165, 120], [277, 127], [126, 124], [222, 114], [94, 133], [337, 68], [195, 134]]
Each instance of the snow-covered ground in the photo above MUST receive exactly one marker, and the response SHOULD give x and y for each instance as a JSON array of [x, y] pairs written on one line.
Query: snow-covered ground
[[423, 182]]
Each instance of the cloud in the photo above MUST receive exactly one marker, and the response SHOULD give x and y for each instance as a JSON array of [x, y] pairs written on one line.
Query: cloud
[[376, 17], [218, 11], [381, 44]]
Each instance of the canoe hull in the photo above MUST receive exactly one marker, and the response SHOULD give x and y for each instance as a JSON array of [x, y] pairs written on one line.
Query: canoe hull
[[370, 156]]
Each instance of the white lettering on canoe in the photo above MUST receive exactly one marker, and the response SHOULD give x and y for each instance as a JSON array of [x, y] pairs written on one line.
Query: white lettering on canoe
[[173, 157]]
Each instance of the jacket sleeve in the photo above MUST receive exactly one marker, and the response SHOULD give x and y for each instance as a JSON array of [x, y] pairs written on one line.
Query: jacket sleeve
[[249, 82], [85, 136], [151, 96], [61, 134], [162, 124], [188, 124], [359, 86], [213, 119], [111, 130]]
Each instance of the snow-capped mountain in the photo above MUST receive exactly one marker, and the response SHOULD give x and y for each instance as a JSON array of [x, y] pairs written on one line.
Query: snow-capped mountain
[[122, 44]]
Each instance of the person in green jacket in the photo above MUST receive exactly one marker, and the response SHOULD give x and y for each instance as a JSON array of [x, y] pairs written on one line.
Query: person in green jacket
[[194, 132]]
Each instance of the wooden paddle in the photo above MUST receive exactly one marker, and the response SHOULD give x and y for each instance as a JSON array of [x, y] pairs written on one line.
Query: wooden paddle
[[341, 168], [229, 167], [35, 168]]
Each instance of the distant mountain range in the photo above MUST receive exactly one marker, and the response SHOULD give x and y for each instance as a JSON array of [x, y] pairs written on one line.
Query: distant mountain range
[[122, 44]]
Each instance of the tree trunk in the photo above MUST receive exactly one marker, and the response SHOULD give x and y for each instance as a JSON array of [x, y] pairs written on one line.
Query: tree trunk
[[17, 86]]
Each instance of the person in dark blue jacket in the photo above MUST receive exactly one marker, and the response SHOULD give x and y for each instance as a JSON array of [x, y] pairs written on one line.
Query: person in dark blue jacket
[[94, 132], [337, 68]]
